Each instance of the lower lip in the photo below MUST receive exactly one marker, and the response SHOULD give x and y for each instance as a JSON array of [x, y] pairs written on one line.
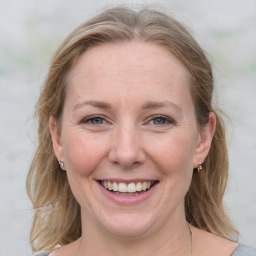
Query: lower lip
[[128, 200]]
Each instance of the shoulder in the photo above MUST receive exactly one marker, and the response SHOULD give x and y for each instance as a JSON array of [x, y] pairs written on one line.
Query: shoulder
[[244, 250], [49, 253]]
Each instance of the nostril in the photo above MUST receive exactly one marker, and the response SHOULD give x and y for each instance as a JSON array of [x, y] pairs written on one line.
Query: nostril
[[127, 157]]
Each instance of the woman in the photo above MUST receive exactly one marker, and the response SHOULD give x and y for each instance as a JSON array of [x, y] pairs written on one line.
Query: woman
[[132, 157]]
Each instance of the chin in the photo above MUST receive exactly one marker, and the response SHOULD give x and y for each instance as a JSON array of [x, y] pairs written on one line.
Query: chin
[[128, 225]]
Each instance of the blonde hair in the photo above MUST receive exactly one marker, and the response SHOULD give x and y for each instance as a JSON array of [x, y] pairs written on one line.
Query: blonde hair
[[57, 213]]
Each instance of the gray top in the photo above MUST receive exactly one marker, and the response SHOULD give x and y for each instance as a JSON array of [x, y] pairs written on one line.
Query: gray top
[[242, 250]]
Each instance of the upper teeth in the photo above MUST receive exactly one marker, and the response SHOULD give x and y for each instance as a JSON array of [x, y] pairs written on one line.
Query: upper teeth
[[127, 187]]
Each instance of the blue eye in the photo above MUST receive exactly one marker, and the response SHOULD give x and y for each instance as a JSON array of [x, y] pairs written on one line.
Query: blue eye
[[94, 120], [160, 120]]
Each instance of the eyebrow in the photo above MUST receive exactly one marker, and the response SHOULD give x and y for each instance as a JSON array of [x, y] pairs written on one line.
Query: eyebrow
[[93, 103], [146, 105], [160, 104]]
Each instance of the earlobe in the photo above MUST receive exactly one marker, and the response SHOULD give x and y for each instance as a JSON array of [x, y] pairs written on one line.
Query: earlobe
[[205, 141], [57, 146]]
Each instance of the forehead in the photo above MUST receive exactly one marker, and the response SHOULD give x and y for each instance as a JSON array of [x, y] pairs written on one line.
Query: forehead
[[132, 54], [126, 67]]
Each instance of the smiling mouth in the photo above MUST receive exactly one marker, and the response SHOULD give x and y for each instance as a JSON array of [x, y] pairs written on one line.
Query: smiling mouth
[[127, 189]]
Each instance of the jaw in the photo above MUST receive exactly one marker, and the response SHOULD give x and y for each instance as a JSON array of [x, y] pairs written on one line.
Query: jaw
[[124, 214]]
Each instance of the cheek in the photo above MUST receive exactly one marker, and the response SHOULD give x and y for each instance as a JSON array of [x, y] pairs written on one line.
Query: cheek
[[83, 153], [174, 154]]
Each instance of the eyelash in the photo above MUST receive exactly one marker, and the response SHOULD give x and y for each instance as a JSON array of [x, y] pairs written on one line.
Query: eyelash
[[167, 120], [164, 118], [89, 119]]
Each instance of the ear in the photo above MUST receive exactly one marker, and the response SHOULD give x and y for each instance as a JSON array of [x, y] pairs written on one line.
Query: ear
[[204, 140], [56, 142]]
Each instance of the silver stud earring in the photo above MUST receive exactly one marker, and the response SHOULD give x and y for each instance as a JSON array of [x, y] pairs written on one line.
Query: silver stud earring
[[200, 167], [61, 163]]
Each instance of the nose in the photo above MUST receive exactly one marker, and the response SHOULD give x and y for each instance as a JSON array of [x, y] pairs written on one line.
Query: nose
[[127, 150]]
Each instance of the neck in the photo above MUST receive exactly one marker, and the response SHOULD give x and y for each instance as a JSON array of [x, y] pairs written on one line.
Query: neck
[[169, 240]]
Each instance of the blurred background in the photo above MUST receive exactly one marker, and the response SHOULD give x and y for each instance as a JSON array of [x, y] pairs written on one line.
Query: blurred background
[[31, 30]]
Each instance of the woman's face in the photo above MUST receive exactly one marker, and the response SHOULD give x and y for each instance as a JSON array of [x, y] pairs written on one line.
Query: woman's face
[[128, 126]]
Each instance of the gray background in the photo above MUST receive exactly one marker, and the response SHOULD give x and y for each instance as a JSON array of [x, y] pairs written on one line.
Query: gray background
[[30, 31]]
